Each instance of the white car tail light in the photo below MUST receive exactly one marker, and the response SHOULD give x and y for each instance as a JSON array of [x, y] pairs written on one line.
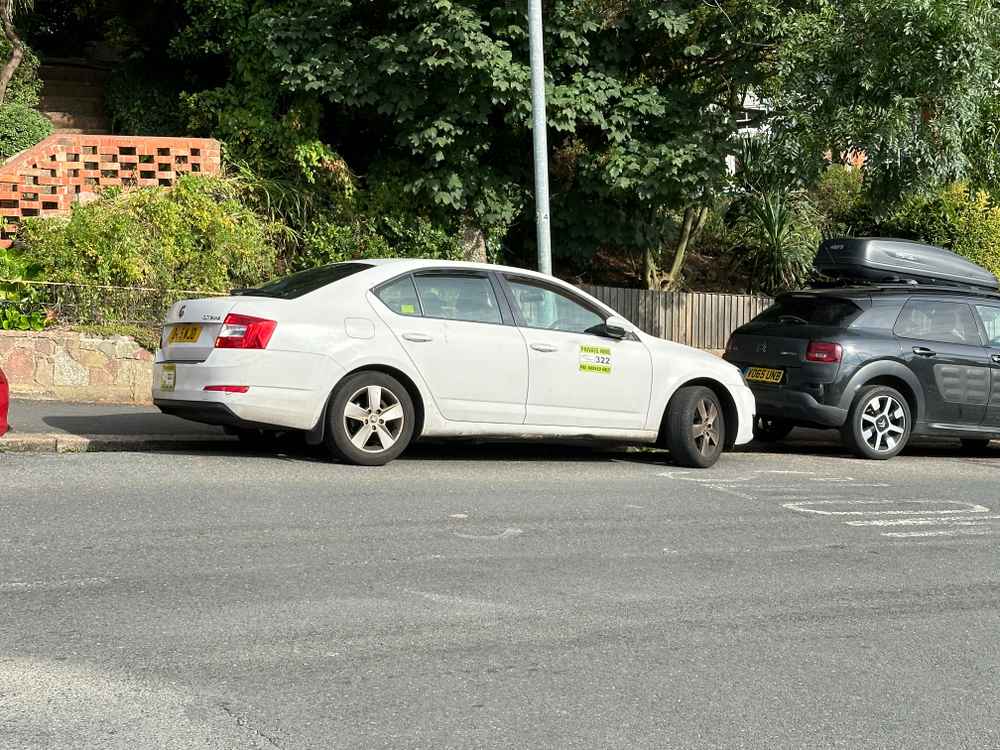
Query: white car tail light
[[245, 332]]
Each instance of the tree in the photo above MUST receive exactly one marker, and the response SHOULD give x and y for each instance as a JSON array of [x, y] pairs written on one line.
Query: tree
[[8, 8], [905, 83]]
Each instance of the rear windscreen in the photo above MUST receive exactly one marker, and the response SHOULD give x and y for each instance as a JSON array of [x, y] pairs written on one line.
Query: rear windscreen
[[812, 310], [304, 282]]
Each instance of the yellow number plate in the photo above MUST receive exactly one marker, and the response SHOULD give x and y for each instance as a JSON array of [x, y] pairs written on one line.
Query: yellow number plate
[[765, 375], [184, 334]]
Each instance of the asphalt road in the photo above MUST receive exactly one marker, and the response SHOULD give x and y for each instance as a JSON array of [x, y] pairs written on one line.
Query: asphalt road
[[488, 598]]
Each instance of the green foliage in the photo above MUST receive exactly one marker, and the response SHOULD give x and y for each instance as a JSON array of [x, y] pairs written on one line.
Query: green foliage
[[781, 239], [21, 127], [21, 305], [332, 241], [198, 235], [25, 86], [138, 103], [955, 216], [839, 198], [903, 82]]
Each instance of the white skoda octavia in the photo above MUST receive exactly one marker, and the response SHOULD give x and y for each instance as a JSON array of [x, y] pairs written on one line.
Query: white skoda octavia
[[369, 356]]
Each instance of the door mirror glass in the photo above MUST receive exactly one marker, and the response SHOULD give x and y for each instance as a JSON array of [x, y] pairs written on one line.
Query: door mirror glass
[[616, 328]]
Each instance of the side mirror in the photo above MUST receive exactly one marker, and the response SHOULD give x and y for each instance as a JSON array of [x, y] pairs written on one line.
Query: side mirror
[[616, 328]]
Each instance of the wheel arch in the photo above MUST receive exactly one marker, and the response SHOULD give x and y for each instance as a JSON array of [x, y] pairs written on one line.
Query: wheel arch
[[730, 412], [317, 433], [892, 374]]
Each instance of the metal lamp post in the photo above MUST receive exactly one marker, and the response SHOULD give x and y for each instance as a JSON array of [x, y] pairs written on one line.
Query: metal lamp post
[[538, 127]]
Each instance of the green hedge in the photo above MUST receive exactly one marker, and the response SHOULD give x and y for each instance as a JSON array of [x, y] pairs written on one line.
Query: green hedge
[[198, 235], [21, 127]]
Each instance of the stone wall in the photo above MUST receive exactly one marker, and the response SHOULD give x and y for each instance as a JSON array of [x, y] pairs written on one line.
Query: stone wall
[[72, 366]]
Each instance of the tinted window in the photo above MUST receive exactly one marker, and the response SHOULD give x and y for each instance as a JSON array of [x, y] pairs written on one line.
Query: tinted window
[[304, 282], [812, 310], [542, 307], [458, 297], [400, 296], [991, 319], [879, 317], [949, 322]]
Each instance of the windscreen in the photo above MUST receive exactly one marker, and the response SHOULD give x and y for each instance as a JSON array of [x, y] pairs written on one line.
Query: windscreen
[[304, 282], [811, 310]]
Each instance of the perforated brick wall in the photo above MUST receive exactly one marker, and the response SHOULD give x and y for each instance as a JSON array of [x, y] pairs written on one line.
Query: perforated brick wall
[[63, 169]]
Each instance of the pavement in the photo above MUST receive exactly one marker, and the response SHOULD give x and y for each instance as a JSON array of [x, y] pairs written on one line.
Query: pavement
[[60, 427], [491, 597]]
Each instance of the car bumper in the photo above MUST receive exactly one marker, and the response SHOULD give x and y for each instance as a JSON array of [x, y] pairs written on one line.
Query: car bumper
[[285, 390], [746, 408], [797, 406]]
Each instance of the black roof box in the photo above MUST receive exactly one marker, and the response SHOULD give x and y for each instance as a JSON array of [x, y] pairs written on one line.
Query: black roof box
[[884, 260]]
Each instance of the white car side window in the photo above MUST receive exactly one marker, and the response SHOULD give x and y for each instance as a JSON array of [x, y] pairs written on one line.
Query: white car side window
[[541, 307], [400, 296], [458, 297]]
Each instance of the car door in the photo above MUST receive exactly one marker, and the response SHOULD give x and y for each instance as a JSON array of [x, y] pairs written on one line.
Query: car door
[[465, 345], [577, 376], [942, 345], [990, 316]]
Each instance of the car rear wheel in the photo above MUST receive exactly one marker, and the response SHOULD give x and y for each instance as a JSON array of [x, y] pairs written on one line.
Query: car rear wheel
[[878, 424], [371, 419], [771, 429], [696, 427]]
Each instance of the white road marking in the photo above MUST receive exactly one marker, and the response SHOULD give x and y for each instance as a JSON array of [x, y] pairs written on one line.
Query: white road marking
[[937, 532], [501, 535], [459, 515], [803, 507], [939, 521]]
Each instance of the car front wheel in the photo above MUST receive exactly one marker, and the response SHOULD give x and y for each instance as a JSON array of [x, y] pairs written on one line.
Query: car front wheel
[[371, 419], [696, 427], [878, 424]]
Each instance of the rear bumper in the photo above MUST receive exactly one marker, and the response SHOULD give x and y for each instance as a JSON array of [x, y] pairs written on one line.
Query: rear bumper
[[797, 406], [285, 389], [205, 412]]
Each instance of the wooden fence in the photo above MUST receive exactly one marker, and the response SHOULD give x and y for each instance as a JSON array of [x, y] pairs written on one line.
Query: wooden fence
[[694, 318]]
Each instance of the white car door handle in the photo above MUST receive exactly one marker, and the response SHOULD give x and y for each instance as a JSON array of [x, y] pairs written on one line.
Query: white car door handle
[[419, 338], [544, 348]]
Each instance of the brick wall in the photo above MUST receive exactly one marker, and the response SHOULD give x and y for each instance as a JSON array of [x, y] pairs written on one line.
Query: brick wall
[[72, 366], [63, 169]]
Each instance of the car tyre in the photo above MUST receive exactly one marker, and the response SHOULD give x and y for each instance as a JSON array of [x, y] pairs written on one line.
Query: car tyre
[[975, 446], [370, 420], [696, 427], [771, 429], [878, 424]]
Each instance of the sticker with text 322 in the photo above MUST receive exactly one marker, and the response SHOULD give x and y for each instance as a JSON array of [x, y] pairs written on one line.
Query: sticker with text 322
[[595, 359]]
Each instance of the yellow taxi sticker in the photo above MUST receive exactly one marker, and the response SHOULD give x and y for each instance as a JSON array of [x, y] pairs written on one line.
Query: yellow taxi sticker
[[595, 359], [408, 309]]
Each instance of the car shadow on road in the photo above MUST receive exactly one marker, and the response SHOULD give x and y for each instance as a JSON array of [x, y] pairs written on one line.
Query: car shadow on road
[[128, 424]]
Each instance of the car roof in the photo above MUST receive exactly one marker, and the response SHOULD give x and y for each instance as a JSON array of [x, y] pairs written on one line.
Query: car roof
[[413, 264]]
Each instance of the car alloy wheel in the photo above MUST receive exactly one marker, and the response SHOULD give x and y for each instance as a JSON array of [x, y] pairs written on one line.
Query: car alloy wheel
[[694, 427], [878, 423], [704, 430], [883, 423], [374, 419]]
